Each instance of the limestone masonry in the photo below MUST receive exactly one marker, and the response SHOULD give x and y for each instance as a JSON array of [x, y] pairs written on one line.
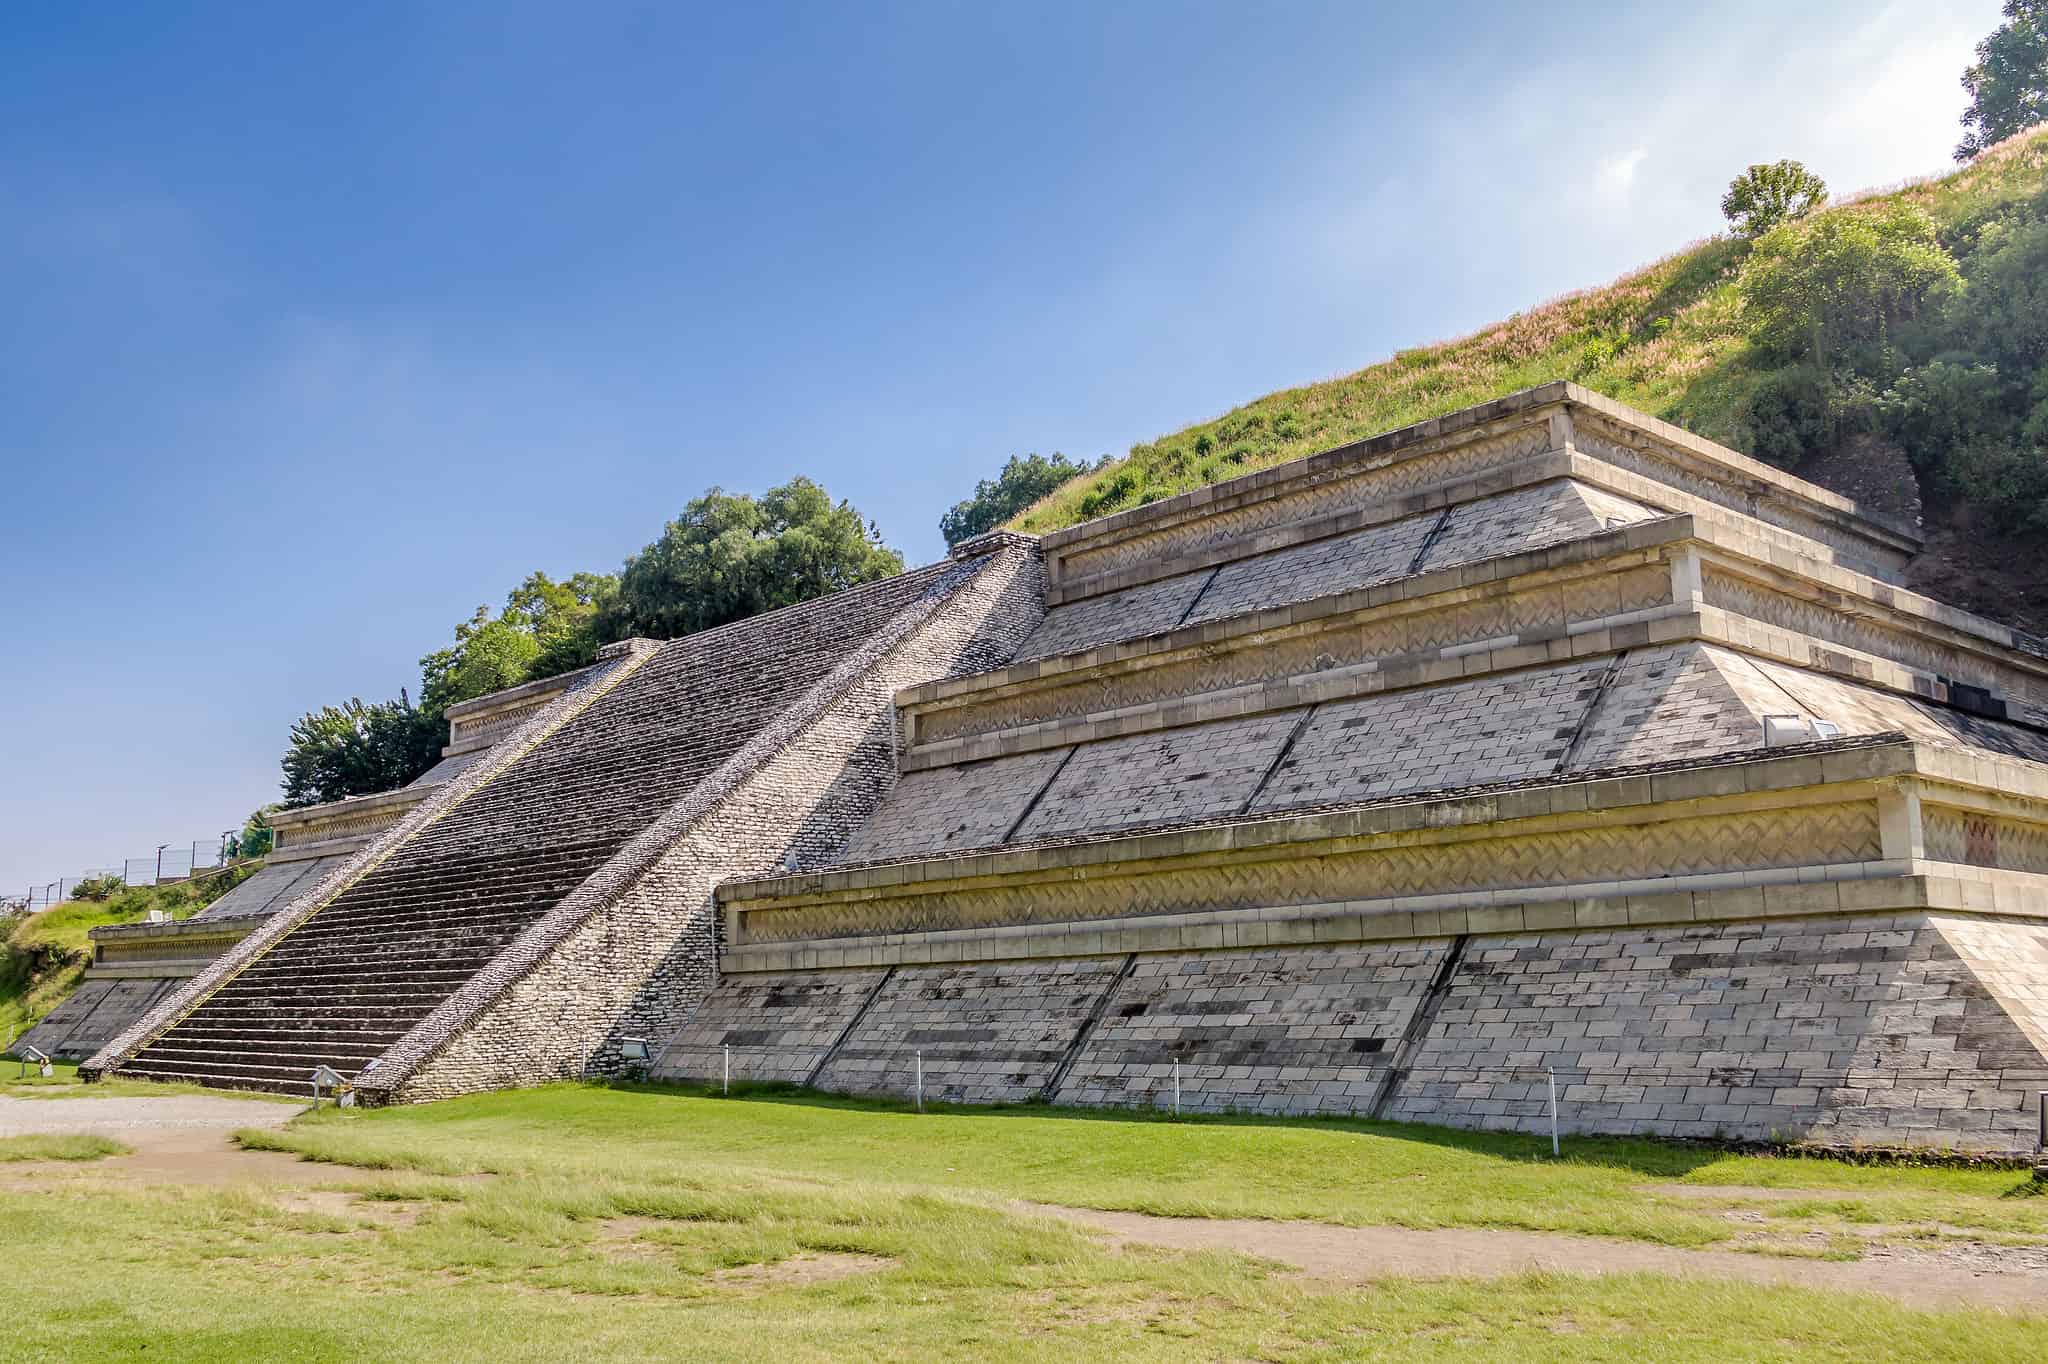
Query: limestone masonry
[[1543, 739]]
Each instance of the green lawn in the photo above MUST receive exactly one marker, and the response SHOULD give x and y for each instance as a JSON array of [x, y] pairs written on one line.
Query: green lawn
[[1344, 1171], [62, 1146], [613, 1224]]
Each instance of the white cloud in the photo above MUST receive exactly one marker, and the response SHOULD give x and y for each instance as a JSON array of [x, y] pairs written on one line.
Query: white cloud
[[1617, 173]]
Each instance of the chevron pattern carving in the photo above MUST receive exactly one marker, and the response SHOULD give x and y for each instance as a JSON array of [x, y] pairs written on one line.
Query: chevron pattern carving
[[1754, 600], [1984, 840], [1803, 836], [1640, 453]]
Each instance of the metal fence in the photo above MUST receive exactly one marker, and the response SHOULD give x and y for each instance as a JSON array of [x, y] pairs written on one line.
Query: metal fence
[[168, 863]]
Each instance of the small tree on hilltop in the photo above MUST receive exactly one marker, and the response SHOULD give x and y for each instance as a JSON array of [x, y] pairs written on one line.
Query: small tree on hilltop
[[2008, 85], [1768, 195]]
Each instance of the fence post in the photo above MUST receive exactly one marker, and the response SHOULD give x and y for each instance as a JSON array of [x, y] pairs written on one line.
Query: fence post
[[725, 1078], [1176, 1087], [1552, 1070], [920, 1080]]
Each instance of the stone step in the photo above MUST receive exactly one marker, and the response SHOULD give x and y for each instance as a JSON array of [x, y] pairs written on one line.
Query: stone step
[[232, 1074]]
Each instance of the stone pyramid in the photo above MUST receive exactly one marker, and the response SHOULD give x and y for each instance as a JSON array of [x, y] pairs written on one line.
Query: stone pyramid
[[1540, 740]]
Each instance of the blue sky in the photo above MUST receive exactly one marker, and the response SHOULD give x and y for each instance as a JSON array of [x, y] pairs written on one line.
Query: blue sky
[[323, 326]]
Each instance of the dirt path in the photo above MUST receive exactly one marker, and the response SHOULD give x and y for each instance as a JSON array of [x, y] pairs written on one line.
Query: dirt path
[[178, 1138], [1362, 1254]]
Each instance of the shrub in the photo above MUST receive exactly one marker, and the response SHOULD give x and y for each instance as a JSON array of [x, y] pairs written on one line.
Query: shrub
[[1941, 407], [2008, 478], [1793, 413], [2007, 318], [98, 888], [1843, 280]]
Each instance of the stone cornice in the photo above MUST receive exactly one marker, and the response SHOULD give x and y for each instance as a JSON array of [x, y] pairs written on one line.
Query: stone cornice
[[342, 819], [1841, 761], [1831, 828]]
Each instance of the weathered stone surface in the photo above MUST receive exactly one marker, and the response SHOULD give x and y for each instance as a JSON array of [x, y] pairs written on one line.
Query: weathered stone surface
[[772, 1028], [1852, 1029], [1498, 729], [1181, 774], [973, 805], [984, 1034], [1299, 1030], [96, 1012]]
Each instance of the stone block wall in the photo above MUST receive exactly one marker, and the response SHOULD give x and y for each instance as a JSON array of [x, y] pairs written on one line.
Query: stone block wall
[[993, 1033], [1526, 519], [1863, 1028], [97, 1012], [777, 1028], [1296, 1030], [1887, 1029], [945, 809], [1196, 773], [1494, 729]]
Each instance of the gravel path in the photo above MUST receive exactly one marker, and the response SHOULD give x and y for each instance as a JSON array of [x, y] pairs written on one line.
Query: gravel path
[[122, 1118], [1362, 1254], [177, 1138]]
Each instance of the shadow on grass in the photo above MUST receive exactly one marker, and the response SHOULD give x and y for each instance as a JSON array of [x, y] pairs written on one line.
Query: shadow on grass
[[1637, 1155]]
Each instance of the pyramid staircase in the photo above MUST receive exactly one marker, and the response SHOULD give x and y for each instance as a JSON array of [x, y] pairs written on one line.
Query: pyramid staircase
[[356, 977]]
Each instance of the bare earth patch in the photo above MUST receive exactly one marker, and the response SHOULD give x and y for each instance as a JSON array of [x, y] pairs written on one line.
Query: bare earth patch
[[345, 1203], [1363, 1254], [806, 1267]]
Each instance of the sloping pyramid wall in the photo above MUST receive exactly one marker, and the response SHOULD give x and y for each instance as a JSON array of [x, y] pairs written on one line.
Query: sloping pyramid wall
[[1402, 780]]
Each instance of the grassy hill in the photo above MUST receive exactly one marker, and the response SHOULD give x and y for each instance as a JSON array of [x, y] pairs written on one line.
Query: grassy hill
[[43, 956], [1671, 338]]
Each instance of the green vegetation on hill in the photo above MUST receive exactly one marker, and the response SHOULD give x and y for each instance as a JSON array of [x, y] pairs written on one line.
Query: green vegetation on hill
[[1913, 316], [42, 956]]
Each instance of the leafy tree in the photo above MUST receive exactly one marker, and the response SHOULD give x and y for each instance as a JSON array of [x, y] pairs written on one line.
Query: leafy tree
[[355, 750], [1844, 279], [490, 654], [1942, 407], [1793, 413], [1024, 479], [565, 618], [1769, 195], [2007, 318], [2008, 85], [256, 837], [730, 556]]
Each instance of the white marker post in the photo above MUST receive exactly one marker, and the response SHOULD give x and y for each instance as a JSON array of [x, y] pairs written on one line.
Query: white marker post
[[725, 1076], [920, 1081], [1176, 1087], [1553, 1111]]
